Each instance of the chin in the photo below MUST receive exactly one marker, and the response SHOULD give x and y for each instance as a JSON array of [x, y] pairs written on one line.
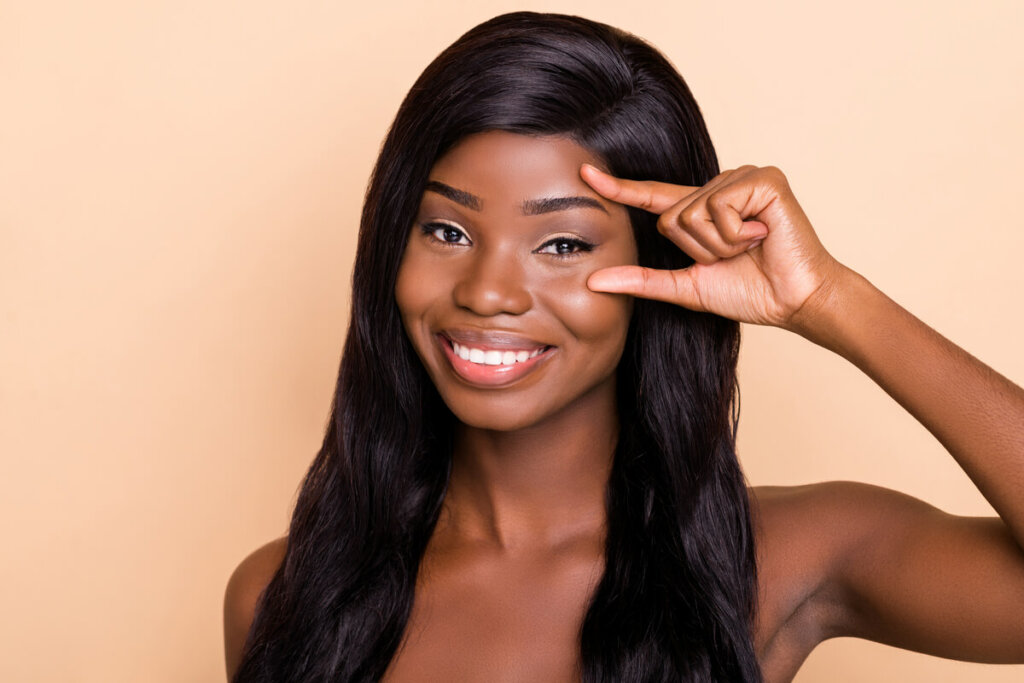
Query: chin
[[493, 416]]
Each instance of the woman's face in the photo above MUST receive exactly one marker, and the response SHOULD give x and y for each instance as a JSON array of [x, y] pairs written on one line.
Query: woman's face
[[492, 287]]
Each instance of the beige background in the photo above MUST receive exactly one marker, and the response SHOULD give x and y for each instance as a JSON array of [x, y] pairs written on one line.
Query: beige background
[[180, 184]]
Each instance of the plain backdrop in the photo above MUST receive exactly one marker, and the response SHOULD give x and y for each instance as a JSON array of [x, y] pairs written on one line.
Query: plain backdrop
[[180, 185]]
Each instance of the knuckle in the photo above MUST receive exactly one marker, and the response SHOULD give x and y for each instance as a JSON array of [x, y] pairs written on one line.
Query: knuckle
[[775, 174], [647, 198], [689, 214], [667, 224], [645, 280], [718, 201], [730, 233]]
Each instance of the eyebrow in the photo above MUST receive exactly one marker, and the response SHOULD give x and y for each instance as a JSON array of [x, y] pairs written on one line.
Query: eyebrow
[[533, 207], [530, 207], [470, 201]]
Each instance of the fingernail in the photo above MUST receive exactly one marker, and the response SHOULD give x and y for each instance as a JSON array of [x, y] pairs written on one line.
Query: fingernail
[[596, 169], [753, 230]]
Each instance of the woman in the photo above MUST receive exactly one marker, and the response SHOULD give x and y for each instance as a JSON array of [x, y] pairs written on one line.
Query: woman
[[529, 474]]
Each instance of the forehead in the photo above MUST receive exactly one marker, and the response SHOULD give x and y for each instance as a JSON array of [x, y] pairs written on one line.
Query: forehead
[[507, 166]]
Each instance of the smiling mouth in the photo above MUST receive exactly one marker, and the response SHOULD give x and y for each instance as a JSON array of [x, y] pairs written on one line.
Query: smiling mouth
[[489, 366], [494, 356]]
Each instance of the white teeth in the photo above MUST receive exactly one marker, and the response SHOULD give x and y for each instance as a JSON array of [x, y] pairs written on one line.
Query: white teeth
[[493, 357]]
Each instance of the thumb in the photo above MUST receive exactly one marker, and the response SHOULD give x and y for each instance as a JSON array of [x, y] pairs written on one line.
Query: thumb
[[673, 286]]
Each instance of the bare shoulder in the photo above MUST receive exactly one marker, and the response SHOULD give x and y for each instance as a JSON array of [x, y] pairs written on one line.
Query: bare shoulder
[[817, 526], [804, 537], [830, 503], [832, 519], [802, 533], [243, 591], [849, 559]]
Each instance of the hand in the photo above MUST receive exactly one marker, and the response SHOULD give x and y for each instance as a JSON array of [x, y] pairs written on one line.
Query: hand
[[757, 257]]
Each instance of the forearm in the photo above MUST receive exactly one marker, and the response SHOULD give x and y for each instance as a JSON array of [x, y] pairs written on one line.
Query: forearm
[[976, 413]]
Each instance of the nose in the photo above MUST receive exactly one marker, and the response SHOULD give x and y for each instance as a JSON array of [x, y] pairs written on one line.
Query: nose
[[492, 284]]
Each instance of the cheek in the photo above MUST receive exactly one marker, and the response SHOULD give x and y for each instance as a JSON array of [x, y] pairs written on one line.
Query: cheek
[[412, 293], [594, 319], [404, 290]]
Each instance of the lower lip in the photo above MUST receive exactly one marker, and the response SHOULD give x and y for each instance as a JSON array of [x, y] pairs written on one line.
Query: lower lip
[[491, 375]]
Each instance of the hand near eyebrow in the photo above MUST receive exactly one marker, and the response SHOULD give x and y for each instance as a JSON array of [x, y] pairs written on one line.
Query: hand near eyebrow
[[757, 257]]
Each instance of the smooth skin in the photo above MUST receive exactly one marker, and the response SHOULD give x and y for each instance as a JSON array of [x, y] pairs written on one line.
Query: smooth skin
[[517, 552]]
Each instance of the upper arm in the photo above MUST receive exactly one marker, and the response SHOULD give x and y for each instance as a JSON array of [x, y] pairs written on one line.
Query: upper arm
[[904, 573], [242, 594]]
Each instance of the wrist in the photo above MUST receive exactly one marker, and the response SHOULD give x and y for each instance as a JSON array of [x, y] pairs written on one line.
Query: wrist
[[825, 315]]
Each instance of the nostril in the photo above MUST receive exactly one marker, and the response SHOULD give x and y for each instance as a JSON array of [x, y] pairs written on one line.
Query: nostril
[[493, 293]]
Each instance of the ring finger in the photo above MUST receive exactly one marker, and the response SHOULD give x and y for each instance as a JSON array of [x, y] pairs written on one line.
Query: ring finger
[[670, 227]]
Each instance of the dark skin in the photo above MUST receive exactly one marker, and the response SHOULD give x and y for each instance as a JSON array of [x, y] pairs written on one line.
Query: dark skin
[[509, 571]]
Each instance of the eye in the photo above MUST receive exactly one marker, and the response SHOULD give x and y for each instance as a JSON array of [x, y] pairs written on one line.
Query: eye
[[446, 233], [565, 246]]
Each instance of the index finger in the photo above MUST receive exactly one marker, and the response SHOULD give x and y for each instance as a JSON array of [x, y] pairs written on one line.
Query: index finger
[[649, 195]]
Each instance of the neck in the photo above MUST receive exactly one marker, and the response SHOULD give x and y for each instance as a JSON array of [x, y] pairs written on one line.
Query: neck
[[535, 488]]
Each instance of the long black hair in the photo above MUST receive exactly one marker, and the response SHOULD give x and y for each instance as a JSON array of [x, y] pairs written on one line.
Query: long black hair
[[677, 597]]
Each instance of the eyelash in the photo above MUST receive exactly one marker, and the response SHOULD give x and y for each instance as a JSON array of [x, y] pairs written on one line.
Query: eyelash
[[430, 229], [579, 246]]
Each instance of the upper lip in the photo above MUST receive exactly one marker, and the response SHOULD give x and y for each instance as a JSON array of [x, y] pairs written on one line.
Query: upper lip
[[498, 339]]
